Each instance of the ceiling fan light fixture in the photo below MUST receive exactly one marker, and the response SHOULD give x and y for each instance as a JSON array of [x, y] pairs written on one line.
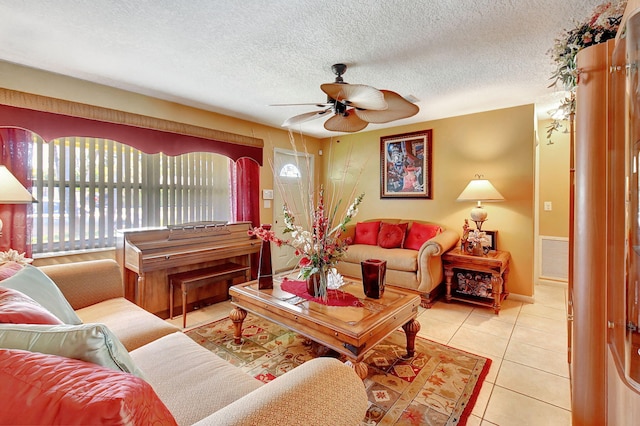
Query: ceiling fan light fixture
[[354, 106]]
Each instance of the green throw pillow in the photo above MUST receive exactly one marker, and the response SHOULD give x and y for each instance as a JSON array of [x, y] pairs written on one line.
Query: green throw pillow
[[38, 286], [87, 342]]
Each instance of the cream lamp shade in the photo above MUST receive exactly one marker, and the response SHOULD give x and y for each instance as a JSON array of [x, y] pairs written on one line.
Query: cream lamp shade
[[480, 190], [12, 191]]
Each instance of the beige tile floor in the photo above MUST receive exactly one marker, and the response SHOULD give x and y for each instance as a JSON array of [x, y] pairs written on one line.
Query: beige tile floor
[[528, 383]]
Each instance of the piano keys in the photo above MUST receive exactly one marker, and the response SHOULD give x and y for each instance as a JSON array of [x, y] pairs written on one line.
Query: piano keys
[[148, 256]]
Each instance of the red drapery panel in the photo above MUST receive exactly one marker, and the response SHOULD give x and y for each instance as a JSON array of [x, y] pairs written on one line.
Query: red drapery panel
[[14, 153], [247, 191], [51, 126], [246, 198]]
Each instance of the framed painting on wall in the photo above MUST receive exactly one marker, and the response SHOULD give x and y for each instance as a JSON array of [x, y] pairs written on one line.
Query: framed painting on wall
[[405, 165]]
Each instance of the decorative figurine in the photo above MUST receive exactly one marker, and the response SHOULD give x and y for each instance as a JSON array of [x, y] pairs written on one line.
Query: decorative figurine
[[465, 236]]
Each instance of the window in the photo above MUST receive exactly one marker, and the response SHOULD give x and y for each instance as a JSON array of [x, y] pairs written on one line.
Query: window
[[290, 171], [88, 188]]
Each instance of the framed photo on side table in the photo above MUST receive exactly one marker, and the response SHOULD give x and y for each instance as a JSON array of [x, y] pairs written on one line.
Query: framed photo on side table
[[493, 237], [405, 165]]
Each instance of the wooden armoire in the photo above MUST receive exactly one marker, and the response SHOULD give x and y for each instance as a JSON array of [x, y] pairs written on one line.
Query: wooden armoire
[[604, 289]]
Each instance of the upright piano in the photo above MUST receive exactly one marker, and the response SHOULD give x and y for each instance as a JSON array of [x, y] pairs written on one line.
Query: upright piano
[[148, 256]]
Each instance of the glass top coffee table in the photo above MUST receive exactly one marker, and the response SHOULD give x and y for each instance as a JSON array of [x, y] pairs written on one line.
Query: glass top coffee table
[[348, 330]]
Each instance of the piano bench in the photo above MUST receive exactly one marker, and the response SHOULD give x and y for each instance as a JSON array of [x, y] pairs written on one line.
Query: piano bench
[[201, 277]]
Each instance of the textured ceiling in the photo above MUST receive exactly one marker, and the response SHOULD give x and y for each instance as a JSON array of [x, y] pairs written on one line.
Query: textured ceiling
[[236, 57]]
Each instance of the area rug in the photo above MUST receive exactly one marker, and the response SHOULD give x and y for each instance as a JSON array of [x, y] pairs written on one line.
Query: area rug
[[438, 386]]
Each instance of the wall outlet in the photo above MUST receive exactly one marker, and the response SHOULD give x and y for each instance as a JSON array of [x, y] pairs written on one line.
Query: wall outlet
[[547, 206]]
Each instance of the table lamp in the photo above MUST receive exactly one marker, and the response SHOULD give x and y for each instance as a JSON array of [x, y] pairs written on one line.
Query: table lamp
[[12, 191], [480, 190]]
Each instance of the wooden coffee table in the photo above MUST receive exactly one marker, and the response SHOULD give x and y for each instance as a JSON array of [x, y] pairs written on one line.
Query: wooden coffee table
[[348, 330]]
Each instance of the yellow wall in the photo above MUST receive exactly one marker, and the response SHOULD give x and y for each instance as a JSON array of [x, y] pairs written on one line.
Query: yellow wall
[[498, 144], [553, 165]]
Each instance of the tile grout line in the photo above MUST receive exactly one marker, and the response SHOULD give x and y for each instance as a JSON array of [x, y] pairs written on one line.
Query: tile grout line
[[531, 397]]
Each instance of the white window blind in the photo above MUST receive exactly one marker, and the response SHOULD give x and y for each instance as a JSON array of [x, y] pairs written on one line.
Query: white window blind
[[88, 188]]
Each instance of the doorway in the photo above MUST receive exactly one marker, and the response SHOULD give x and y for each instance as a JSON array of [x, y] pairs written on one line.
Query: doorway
[[293, 180]]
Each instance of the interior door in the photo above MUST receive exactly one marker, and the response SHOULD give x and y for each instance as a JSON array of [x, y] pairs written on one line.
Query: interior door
[[293, 180]]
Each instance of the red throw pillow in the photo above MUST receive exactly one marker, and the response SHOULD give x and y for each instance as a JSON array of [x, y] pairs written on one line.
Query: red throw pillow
[[18, 308], [367, 233], [392, 235], [419, 233], [49, 389]]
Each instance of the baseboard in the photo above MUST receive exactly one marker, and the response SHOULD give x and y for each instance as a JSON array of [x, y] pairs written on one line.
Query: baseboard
[[552, 282], [521, 298]]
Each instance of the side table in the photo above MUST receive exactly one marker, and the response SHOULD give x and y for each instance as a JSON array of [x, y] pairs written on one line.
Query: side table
[[481, 280]]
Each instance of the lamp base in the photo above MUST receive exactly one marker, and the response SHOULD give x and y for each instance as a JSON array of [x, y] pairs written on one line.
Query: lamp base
[[478, 215], [479, 224]]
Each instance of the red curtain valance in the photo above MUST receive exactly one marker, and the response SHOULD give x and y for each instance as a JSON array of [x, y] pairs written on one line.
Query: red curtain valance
[[51, 126], [53, 118]]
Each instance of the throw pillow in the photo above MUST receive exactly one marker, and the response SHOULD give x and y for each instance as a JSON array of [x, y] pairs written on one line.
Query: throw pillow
[[9, 269], [367, 233], [419, 233], [93, 343], [35, 284], [49, 389], [392, 235], [18, 308]]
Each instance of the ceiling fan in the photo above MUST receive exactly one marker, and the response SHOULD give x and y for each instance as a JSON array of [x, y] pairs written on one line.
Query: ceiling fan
[[353, 106]]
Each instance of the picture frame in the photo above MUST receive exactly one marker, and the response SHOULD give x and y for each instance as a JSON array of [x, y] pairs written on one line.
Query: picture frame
[[405, 165], [493, 237]]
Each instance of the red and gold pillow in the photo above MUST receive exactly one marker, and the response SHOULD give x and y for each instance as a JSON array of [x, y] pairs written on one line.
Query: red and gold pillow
[[392, 235], [419, 233], [367, 233]]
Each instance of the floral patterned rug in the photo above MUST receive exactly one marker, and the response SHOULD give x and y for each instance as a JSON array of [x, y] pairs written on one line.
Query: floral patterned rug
[[436, 387]]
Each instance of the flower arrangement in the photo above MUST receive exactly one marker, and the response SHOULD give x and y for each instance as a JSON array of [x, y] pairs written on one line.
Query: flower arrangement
[[474, 241], [600, 27], [480, 238], [320, 247], [12, 255]]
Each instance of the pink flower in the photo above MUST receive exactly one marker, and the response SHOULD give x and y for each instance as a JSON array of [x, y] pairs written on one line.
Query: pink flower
[[304, 261]]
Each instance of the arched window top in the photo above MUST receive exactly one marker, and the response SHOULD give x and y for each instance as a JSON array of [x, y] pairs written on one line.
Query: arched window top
[[290, 171]]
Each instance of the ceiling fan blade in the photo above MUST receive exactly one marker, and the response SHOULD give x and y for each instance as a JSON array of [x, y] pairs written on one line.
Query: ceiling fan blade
[[297, 119], [318, 104], [349, 123], [398, 107], [355, 95]]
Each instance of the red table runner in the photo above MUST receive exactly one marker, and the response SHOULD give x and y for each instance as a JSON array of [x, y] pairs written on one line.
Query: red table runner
[[334, 297]]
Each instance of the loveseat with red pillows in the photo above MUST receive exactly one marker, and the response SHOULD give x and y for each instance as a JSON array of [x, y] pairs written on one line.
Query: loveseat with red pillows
[[412, 249], [73, 350]]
